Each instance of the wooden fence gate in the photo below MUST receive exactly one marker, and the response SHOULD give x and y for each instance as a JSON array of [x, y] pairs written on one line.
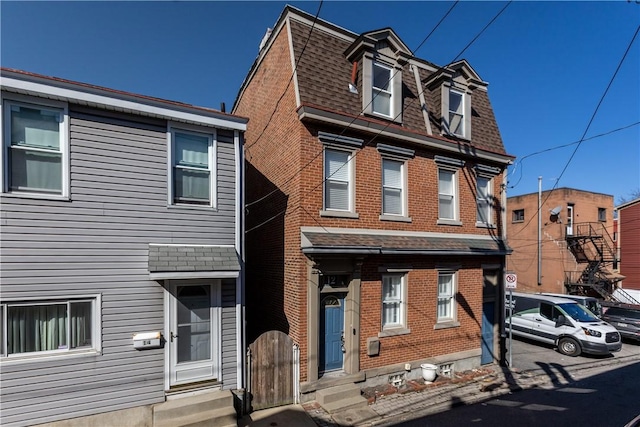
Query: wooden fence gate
[[271, 368]]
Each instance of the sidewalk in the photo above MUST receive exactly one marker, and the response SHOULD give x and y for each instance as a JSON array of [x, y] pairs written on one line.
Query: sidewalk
[[389, 405]]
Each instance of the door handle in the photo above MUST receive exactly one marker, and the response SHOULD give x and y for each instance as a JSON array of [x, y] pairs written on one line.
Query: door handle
[[344, 350], [171, 336]]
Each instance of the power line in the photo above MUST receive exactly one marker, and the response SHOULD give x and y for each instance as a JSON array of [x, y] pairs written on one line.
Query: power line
[[315, 19], [568, 145], [588, 126], [382, 130], [352, 121]]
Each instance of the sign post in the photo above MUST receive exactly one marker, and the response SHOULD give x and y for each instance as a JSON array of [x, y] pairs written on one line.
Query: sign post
[[510, 283]]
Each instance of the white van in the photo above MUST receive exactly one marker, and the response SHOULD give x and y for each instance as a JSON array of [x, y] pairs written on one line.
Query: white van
[[562, 322], [592, 304]]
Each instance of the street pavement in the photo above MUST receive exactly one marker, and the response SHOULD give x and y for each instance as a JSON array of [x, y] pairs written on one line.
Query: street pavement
[[533, 366]]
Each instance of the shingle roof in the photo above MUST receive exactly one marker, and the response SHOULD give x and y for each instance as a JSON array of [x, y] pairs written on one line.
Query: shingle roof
[[402, 244], [174, 258], [323, 73]]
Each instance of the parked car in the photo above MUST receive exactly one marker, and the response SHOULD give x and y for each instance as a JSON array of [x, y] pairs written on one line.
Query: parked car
[[625, 318], [562, 322]]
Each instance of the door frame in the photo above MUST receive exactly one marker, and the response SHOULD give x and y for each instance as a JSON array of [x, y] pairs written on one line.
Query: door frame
[[341, 297], [170, 287]]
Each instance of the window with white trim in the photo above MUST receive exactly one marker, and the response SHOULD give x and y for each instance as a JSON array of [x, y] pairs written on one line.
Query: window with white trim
[[49, 327], [447, 194], [393, 187], [393, 301], [338, 180], [192, 171], [382, 88], [446, 296], [36, 148], [484, 200], [456, 113]]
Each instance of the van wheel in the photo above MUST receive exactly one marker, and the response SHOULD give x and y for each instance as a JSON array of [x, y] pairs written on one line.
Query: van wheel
[[569, 346]]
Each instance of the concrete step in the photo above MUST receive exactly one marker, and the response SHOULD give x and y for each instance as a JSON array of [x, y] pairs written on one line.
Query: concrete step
[[350, 403], [337, 393], [195, 411], [224, 417]]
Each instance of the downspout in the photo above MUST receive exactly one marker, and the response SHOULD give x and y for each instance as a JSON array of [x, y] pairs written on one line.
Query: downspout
[[423, 102]]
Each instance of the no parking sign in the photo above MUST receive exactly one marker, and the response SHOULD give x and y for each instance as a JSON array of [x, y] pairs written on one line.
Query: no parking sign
[[510, 280]]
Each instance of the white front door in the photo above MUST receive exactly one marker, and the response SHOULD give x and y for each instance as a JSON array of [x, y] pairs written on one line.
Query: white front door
[[193, 332]]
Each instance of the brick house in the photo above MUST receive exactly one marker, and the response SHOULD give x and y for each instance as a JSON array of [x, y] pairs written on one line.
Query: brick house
[[375, 230], [576, 236], [629, 244]]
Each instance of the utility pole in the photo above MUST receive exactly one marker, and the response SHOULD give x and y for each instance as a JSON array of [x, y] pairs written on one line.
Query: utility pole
[[539, 231]]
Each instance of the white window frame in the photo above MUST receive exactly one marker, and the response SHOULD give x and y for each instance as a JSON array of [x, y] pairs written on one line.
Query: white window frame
[[171, 164], [461, 113], [370, 61], [400, 300], [96, 327], [5, 124], [488, 221], [455, 196], [375, 91], [402, 189], [449, 297], [350, 165]]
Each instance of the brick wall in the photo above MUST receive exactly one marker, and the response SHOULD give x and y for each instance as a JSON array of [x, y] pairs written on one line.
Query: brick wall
[[556, 258]]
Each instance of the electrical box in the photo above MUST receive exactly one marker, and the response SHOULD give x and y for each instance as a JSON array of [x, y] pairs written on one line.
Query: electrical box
[[147, 340]]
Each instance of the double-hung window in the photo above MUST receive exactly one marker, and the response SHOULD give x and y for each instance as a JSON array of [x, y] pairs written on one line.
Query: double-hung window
[[447, 193], [338, 184], [456, 113], [49, 327], [35, 152], [393, 192], [192, 172], [393, 301], [382, 89], [446, 296], [483, 198]]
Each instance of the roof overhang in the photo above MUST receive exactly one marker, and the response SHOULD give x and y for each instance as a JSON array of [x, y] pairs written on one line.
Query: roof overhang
[[361, 123], [334, 241], [25, 83]]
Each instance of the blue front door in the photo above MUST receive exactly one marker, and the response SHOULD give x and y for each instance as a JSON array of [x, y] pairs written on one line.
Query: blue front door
[[332, 328], [487, 333]]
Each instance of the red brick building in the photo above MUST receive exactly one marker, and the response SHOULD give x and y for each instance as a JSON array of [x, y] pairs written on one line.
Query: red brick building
[[566, 214], [374, 205], [629, 243]]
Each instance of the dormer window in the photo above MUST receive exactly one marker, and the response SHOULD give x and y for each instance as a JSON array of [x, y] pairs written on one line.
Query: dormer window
[[382, 56], [456, 113], [382, 90]]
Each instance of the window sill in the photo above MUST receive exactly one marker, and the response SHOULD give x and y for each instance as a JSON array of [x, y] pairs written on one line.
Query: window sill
[[339, 214], [449, 222], [393, 332], [39, 196], [397, 218], [35, 357], [192, 207], [485, 225], [519, 221], [446, 325]]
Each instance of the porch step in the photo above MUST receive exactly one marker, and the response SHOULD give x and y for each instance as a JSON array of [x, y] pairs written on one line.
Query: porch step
[[340, 398], [212, 409]]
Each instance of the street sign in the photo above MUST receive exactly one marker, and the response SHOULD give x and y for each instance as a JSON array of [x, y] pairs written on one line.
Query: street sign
[[510, 280]]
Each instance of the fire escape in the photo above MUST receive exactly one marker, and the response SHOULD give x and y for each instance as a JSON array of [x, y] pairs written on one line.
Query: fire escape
[[592, 246]]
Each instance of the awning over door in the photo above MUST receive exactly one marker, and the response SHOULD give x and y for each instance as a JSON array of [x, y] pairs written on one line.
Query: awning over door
[[192, 262]]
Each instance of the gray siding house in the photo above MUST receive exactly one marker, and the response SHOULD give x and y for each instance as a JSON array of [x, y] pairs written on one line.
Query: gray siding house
[[121, 251]]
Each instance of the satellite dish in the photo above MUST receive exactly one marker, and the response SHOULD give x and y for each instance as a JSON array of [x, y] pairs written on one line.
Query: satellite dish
[[556, 210]]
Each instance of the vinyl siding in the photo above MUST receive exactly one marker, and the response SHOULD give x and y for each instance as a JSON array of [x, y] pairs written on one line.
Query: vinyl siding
[[97, 243]]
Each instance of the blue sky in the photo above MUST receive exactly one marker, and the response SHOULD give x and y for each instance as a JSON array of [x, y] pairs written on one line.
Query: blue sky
[[547, 63]]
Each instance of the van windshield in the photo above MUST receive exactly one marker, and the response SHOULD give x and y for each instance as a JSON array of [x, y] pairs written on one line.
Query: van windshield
[[578, 313]]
